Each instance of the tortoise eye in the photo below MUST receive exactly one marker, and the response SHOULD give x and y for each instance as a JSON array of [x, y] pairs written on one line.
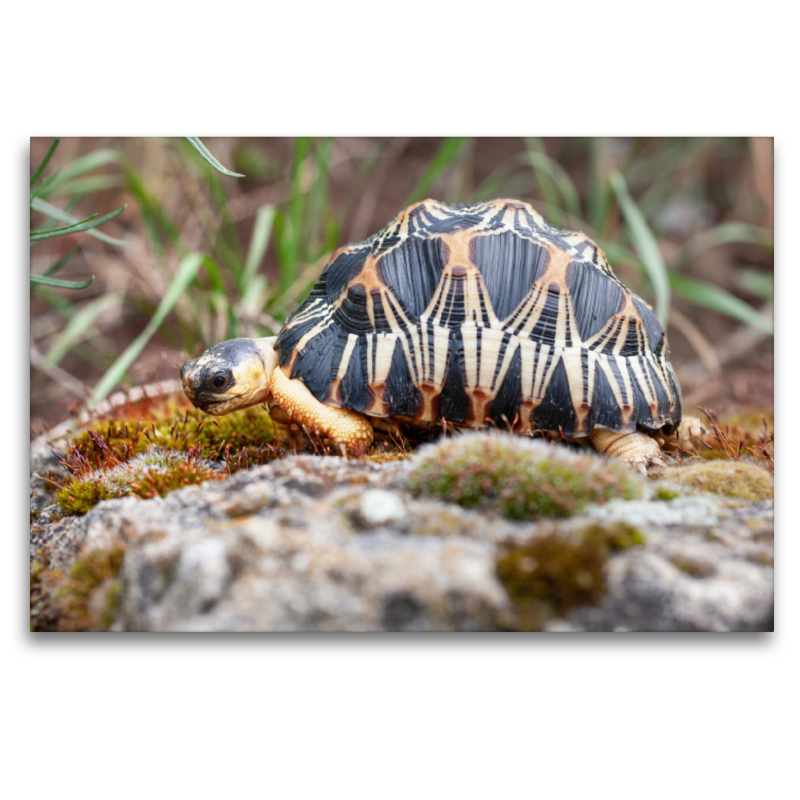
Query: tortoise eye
[[219, 381]]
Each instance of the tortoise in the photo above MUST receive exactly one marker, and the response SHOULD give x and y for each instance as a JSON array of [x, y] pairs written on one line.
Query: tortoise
[[475, 315]]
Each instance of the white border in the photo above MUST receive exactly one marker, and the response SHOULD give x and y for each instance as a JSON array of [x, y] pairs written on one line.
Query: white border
[[478, 715]]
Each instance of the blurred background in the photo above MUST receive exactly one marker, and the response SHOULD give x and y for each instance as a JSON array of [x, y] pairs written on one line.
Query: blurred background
[[197, 257]]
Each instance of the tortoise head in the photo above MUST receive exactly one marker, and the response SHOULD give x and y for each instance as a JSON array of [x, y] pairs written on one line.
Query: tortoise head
[[231, 375]]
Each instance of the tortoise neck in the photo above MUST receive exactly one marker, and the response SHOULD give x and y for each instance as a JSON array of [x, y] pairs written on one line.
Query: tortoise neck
[[266, 348]]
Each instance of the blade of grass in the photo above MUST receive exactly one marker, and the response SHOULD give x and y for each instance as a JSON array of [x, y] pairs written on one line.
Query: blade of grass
[[645, 244], [710, 296], [80, 323], [446, 155], [62, 216], [83, 225], [187, 272], [92, 183], [80, 166], [599, 189], [552, 179], [45, 161], [204, 152], [758, 283], [259, 241], [43, 186], [225, 238], [724, 234], [156, 220], [316, 199], [45, 281], [51, 270], [676, 162], [288, 223]]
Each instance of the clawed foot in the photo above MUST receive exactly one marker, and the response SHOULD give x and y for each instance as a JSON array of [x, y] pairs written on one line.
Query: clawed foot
[[638, 449]]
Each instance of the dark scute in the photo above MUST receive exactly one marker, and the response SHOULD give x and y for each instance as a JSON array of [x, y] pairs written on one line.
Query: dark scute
[[313, 365], [453, 401], [556, 411], [412, 272], [677, 412], [661, 392], [338, 351], [454, 313], [617, 365], [401, 395], [352, 317], [290, 336], [655, 333], [355, 391], [604, 408], [641, 412], [544, 331], [506, 403], [595, 298], [344, 269], [632, 347], [509, 265]]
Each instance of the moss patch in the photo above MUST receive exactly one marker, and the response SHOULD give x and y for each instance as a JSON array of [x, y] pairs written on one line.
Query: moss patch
[[736, 479], [239, 439], [554, 573], [44, 611], [519, 477], [751, 436], [663, 493], [148, 475], [86, 599], [167, 448], [89, 598]]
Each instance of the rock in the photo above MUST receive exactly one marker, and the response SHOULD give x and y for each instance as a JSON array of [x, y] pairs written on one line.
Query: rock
[[377, 507], [308, 543]]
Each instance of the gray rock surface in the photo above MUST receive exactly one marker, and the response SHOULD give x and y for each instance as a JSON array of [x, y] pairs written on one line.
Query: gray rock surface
[[311, 543]]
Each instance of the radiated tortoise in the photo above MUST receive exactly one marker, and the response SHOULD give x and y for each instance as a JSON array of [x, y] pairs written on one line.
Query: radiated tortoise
[[478, 315]]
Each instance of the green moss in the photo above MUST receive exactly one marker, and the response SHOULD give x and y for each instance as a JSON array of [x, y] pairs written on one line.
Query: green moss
[[557, 572], [245, 433], [89, 598], [148, 475], [616, 536], [663, 493], [384, 454], [736, 479], [519, 477], [44, 612]]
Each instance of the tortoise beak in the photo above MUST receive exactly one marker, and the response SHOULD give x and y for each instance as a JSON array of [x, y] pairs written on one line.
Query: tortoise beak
[[190, 385]]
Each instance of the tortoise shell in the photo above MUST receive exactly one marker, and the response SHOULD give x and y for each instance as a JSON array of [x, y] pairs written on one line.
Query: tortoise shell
[[482, 314]]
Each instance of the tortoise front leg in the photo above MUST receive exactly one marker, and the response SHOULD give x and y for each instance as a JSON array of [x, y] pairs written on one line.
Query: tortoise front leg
[[347, 429], [637, 449]]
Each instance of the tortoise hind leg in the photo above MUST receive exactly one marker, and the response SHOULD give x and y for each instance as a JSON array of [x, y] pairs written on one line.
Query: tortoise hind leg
[[637, 449], [350, 431]]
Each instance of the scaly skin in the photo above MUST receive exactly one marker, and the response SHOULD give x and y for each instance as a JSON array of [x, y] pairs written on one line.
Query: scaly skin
[[637, 449], [347, 429]]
